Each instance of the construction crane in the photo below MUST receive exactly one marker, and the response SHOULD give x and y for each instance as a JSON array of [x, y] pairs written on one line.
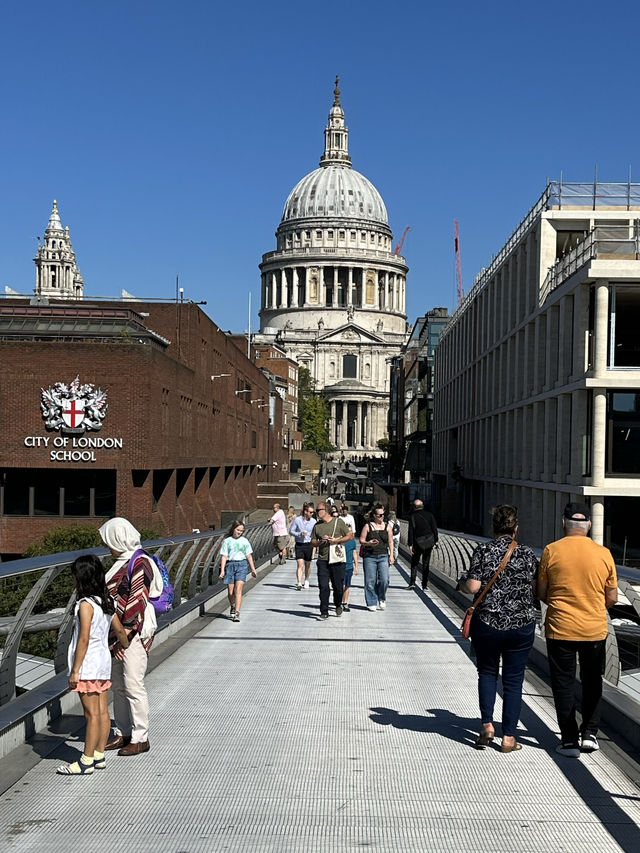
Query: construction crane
[[459, 290], [400, 244]]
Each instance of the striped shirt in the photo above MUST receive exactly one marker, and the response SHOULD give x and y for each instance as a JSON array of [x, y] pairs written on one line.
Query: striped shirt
[[130, 595]]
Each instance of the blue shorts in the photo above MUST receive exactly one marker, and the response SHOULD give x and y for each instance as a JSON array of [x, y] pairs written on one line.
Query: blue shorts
[[236, 570], [347, 577]]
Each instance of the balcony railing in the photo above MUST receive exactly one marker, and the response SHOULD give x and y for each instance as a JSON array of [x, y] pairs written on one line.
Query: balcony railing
[[604, 241]]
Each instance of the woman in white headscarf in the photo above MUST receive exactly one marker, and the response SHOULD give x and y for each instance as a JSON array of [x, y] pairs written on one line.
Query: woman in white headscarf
[[130, 580]]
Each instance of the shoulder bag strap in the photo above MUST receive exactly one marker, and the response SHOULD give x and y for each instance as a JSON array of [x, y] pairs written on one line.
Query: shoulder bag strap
[[512, 547]]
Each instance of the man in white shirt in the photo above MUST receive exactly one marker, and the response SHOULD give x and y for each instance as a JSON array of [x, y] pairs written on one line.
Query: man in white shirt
[[301, 529], [348, 518]]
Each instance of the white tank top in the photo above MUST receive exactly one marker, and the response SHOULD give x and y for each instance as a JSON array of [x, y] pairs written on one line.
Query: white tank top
[[97, 661]]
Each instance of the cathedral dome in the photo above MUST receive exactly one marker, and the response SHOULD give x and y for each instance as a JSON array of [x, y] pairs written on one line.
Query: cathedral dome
[[335, 190]]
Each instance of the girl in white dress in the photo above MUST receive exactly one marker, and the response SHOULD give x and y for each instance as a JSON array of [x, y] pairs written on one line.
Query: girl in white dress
[[90, 660]]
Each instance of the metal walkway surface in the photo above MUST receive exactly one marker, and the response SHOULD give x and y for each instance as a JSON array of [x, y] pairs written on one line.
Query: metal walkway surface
[[286, 733]]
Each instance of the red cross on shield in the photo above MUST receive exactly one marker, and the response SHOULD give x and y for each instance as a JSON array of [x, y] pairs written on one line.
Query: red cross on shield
[[73, 412]]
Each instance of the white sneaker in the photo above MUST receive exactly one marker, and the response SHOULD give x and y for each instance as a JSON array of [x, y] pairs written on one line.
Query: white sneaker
[[372, 607], [298, 585], [306, 584], [382, 605], [589, 743], [569, 750]]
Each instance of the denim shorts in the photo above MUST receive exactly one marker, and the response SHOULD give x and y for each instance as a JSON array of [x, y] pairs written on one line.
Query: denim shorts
[[236, 570]]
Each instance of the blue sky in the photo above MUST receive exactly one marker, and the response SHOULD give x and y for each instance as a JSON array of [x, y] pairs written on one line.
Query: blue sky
[[171, 134]]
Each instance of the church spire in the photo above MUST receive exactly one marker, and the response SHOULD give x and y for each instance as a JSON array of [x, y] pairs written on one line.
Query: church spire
[[57, 272], [336, 134]]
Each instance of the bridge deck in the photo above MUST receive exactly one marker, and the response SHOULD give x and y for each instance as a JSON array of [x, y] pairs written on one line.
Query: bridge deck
[[284, 733]]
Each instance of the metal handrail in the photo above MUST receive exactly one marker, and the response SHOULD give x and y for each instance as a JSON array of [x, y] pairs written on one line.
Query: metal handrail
[[192, 561], [452, 559]]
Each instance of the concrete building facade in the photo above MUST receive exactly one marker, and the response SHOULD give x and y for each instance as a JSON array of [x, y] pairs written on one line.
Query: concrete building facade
[[537, 391], [333, 292]]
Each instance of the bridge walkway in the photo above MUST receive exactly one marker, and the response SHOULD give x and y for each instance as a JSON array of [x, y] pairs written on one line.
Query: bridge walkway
[[286, 733]]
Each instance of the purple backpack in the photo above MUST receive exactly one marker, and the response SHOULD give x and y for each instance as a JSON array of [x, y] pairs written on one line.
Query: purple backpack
[[163, 602]]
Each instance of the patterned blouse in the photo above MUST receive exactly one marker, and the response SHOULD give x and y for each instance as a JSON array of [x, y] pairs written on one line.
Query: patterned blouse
[[510, 602]]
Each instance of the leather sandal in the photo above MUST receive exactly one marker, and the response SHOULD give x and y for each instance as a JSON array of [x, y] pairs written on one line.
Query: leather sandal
[[484, 739], [514, 747]]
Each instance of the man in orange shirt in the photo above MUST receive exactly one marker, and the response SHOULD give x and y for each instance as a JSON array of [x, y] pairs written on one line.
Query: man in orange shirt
[[578, 582]]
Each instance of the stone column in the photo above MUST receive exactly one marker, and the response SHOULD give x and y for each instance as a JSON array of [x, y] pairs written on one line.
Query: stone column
[[306, 286], [332, 423], [350, 287], [345, 430], [334, 302], [597, 519], [599, 444], [294, 287], [284, 290], [274, 290], [601, 330], [358, 436]]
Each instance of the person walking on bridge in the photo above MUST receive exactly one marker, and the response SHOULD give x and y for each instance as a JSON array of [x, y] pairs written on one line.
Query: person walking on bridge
[[301, 530], [423, 538], [578, 582], [278, 522], [329, 530], [235, 561], [503, 624]]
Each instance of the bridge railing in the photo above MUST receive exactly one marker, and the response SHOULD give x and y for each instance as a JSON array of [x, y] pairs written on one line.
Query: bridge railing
[[37, 600], [452, 558]]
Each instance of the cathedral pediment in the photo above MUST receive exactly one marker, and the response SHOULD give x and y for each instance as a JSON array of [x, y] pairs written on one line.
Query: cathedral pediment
[[352, 334]]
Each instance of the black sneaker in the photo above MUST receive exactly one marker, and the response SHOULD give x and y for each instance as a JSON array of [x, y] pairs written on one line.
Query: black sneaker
[[324, 616], [345, 608]]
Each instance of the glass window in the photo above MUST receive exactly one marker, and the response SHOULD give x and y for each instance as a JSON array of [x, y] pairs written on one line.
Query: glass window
[[623, 433], [16, 491], [77, 488], [349, 367], [625, 320]]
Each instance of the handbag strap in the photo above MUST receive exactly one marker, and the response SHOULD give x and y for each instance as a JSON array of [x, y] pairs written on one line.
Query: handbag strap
[[512, 547], [335, 524]]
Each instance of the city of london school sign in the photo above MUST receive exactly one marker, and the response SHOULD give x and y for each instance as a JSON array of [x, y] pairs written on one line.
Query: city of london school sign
[[73, 410]]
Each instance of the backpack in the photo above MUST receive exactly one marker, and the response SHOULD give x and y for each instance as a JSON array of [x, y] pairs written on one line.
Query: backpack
[[162, 602]]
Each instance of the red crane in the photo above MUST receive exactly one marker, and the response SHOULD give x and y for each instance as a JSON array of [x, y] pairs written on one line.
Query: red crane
[[459, 290], [398, 248]]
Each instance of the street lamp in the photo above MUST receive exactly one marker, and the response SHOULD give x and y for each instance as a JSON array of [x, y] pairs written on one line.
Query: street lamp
[[219, 376], [260, 400], [244, 391]]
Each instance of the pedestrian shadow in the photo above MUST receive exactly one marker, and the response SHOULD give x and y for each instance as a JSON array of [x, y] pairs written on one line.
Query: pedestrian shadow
[[436, 721], [298, 613]]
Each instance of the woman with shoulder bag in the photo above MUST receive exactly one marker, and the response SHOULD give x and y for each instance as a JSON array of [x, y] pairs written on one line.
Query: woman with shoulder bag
[[503, 624], [377, 541]]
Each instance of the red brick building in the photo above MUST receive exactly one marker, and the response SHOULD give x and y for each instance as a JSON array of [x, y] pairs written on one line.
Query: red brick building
[[166, 425]]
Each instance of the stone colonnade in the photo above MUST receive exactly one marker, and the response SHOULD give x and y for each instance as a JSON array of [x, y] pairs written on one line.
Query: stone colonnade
[[357, 424], [333, 287]]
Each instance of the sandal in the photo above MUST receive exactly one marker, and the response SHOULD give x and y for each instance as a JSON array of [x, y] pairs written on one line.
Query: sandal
[[484, 738], [514, 747], [76, 768]]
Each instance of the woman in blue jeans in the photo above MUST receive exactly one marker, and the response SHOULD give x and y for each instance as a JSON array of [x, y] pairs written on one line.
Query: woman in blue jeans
[[503, 624], [377, 540]]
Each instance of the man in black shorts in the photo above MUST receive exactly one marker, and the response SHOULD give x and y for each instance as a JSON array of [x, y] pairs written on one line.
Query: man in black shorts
[[301, 529]]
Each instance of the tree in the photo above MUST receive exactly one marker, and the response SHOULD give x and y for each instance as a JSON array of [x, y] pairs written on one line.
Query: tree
[[315, 424], [313, 414], [383, 444]]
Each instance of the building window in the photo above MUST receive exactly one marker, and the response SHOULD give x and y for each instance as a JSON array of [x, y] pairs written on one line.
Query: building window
[[349, 367], [623, 433], [625, 318]]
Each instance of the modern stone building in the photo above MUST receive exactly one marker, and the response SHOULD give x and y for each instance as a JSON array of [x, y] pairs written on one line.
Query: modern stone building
[[57, 274], [537, 397], [333, 292]]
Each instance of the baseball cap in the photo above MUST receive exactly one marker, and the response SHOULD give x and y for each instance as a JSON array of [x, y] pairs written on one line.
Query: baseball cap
[[573, 509]]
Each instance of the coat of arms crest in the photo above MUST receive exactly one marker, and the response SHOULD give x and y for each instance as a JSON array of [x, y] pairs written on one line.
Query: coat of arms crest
[[73, 408]]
